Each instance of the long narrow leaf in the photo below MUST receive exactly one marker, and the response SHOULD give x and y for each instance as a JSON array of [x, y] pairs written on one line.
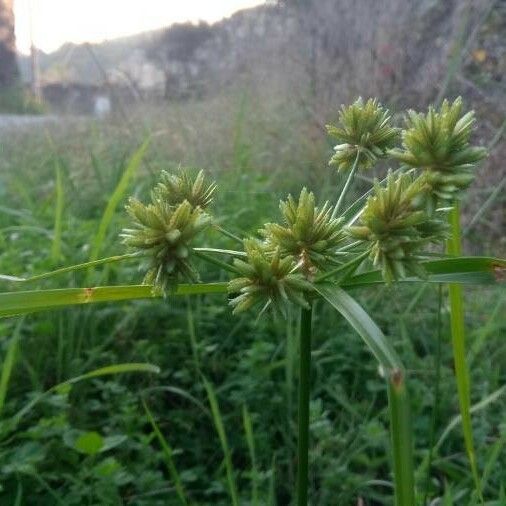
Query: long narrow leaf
[[466, 270], [167, 452], [115, 198], [362, 323], [8, 364], [398, 399], [454, 247], [58, 216], [96, 373], [220, 429], [17, 303]]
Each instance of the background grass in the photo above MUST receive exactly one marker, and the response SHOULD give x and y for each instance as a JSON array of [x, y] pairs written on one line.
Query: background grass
[[257, 152]]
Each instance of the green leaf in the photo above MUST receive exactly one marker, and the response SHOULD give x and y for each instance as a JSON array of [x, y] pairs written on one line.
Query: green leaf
[[362, 323], [167, 453], [116, 197], [400, 425], [220, 429], [8, 363], [18, 303], [467, 270], [102, 371], [459, 350], [89, 443], [58, 214]]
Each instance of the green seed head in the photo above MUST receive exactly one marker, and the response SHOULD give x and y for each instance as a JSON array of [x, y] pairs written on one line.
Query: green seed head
[[438, 142], [309, 233], [163, 233], [364, 130], [176, 188], [267, 278], [396, 225]]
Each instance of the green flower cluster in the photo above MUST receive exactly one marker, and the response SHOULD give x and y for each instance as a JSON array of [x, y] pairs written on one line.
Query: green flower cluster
[[268, 278], [163, 230], [365, 132], [396, 224], [176, 188], [309, 234], [438, 142]]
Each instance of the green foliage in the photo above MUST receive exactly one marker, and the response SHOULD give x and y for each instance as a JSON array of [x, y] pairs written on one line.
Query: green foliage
[[364, 133], [244, 357]]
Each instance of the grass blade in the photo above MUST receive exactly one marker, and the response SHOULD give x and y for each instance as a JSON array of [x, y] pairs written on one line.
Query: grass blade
[[18, 303], [167, 452], [466, 270], [248, 429], [96, 373], [400, 424], [459, 350], [70, 268], [58, 216], [220, 429], [304, 395], [8, 364], [362, 323], [115, 198]]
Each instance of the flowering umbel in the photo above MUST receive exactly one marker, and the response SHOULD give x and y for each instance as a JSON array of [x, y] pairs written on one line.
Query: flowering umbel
[[176, 188], [438, 142], [163, 232], [267, 277], [310, 234], [395, 223], [365, 132]]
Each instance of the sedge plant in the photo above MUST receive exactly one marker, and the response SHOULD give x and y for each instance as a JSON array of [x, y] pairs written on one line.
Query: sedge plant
[[315, 251]]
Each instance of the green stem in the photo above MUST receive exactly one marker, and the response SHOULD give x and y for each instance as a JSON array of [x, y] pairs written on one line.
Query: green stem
[[216, 262], [228, 234], [304, 373], [402, 445], [454, 247], [346, 186]]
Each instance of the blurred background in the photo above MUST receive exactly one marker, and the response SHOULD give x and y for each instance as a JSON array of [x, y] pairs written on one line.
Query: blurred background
[[243, 89]]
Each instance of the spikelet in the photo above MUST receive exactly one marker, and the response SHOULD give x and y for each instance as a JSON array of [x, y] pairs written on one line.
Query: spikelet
[[176, 188], [396, 225], [438, 142], [309, 234], [267, 277], [164, 233], [365, 129]]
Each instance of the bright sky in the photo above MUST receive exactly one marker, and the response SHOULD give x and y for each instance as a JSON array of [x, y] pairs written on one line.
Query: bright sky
[[58, 21]]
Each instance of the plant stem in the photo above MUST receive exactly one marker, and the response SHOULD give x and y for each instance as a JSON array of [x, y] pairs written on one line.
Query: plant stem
[[228, 234], [454, 247], [304, 373], [346, 186], [402, 446], [215, 261]]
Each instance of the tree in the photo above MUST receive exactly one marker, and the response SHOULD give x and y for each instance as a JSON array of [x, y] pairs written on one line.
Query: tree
[[9, 73], [176, 52]]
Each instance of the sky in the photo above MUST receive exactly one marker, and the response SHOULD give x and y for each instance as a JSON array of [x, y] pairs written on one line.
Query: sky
[[55, 22]]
